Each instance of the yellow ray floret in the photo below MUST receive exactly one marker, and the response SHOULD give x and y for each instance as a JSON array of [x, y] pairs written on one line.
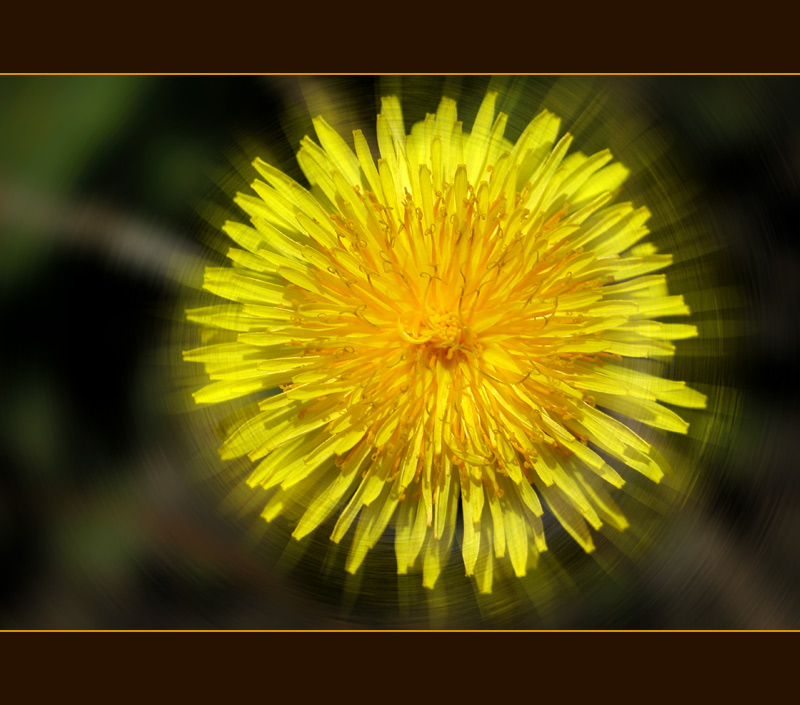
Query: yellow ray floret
[[448, 326]]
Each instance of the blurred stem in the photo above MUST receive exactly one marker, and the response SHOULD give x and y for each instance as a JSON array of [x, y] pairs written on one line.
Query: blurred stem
[[123, 240]]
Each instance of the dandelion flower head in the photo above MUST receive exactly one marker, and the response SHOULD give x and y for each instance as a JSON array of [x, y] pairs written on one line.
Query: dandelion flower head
[[449, 328]]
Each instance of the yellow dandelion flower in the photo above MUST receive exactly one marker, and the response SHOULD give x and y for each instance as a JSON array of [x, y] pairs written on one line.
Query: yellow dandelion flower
[[448, 327]]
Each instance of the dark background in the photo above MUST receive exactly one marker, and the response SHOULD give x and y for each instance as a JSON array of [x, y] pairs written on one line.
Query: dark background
[[114, 512]]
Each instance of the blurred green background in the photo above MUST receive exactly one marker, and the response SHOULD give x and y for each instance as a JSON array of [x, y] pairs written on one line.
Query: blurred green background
[[106, 188]]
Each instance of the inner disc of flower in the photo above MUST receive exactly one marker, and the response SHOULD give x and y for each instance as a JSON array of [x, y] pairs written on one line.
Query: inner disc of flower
[[440, 334]]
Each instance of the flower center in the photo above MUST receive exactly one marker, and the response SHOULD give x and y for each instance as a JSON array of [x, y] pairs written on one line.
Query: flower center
[[445, 328], [435, 332]]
